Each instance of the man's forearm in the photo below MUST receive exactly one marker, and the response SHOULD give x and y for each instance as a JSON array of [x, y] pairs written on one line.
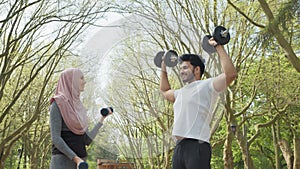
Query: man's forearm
[[226, 64], [164, 81]]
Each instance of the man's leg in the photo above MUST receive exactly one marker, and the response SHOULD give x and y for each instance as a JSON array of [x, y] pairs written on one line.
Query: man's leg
[[177, 160], [197, 155]]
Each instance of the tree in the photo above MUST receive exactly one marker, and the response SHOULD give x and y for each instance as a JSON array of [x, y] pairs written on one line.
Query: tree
[[275, 24], [180, 25], [37, 36]]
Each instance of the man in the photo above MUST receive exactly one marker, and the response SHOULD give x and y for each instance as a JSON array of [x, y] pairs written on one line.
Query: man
[[193, 105]]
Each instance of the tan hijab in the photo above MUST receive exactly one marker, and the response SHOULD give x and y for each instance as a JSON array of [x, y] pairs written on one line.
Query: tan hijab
[[67, 97]]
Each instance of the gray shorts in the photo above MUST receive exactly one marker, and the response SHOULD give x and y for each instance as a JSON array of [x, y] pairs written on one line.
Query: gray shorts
[[60, 161]]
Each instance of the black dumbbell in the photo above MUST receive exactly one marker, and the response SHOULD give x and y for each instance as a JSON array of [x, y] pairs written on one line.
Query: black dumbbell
[[170, 58], [83, 165], [105, 111], [221, 36]]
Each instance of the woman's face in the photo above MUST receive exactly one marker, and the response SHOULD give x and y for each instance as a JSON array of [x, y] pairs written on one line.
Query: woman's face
[[81, 83]]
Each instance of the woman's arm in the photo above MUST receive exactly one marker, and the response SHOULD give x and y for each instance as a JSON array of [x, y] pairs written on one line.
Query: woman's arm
[[89, 137], [92, 134], [55, 131]]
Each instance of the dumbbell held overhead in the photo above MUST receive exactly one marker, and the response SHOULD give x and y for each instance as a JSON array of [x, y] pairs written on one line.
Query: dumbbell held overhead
[[220, 35], [170, 58]]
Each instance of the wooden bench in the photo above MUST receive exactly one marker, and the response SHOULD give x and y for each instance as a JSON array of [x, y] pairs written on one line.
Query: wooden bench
[[109, 164]]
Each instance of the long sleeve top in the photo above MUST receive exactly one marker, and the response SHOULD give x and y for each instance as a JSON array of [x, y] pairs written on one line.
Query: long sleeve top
[[66, 142]]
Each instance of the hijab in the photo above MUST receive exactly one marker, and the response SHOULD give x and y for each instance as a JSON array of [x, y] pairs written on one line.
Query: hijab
[[67, 97]]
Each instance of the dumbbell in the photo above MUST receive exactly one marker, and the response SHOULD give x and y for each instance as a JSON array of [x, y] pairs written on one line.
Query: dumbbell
[[105, 111], [170, 58], [83, 165], [221, 36]]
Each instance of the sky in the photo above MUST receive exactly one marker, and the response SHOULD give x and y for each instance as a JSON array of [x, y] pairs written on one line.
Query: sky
[[99, 43], [96, 59]]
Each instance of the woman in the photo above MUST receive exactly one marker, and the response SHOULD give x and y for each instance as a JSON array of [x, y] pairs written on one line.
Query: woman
[[69, 123]]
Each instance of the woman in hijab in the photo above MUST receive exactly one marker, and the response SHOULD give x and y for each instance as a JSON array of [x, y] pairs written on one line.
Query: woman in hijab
[[69, 123]]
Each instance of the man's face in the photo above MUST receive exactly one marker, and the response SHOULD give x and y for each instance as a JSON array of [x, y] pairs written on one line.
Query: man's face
[[187, 72]]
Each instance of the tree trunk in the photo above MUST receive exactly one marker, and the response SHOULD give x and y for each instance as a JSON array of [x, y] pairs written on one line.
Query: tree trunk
[[1, 164], [227, 153], [243, 143], [287, 153], [276, 148], [296, 153], [20, 157]]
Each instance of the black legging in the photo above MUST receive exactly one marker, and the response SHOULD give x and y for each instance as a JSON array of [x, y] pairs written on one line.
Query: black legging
[[191, 154]]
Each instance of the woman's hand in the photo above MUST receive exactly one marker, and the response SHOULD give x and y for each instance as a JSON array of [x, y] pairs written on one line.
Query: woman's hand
[[102, 118], [77, 160]]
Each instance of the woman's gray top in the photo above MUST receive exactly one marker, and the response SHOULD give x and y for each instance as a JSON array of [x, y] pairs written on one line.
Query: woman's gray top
[[58, 127]]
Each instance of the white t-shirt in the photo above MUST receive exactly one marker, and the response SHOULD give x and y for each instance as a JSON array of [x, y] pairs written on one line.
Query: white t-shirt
[[193, 108]]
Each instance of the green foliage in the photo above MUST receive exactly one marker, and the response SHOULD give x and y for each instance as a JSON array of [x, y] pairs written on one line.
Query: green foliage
[[35, 37], [140, 130]]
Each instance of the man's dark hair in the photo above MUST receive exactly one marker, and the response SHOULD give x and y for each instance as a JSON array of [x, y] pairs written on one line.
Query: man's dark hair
[[195, 60]]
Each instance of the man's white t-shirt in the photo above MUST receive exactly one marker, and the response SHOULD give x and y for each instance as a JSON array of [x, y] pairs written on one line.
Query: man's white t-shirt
[[193, 108]]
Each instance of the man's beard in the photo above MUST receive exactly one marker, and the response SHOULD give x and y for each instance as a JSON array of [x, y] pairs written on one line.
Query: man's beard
[[190, 77]]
